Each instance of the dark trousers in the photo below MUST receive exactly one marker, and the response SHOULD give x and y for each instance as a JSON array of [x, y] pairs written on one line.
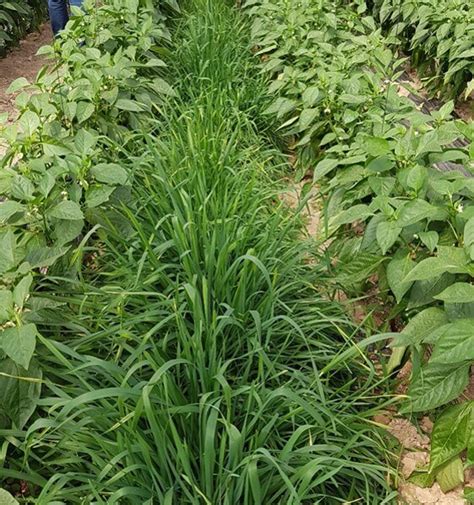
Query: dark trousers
[[58, 13]]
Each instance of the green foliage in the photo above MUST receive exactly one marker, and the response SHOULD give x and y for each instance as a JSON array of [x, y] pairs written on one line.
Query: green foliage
[[417, 218], [469, 494], [378, 170], [180, 334], [391, 209], [452, 434], [62, 161], [6, 498], [17, 18], [439, 34], [198, 338], [319, 56], [19, 392]]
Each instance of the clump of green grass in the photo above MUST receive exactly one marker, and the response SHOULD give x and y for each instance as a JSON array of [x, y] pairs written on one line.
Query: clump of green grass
[[188, 370]]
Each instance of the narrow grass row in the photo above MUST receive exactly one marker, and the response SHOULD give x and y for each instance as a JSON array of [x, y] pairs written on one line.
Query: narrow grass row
[[184, 362], [396, 186]]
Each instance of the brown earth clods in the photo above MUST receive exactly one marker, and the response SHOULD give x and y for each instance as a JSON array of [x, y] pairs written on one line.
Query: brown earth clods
[[21, 62], [416, 446]]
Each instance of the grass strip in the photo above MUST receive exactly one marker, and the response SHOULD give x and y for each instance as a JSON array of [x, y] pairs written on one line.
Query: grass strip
[[185, 367]]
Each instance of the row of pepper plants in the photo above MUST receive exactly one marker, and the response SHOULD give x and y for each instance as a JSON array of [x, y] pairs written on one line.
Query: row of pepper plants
[[438, 35], [17, 18], [391, 210], [63, 163]]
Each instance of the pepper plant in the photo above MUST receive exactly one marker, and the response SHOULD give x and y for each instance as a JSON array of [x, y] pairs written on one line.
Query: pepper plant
[[439, 35], [396, 186], [62, 166]]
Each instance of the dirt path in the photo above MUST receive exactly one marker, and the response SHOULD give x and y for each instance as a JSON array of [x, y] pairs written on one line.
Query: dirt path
[[22, 62]]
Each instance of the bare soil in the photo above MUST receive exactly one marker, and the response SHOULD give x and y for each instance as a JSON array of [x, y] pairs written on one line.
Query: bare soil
[[311, 213], [415, 455], [465, 110], [22, 62]]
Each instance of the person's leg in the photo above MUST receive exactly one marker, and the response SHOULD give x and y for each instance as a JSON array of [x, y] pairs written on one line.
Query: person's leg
[[58, 14], [76, 3]]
